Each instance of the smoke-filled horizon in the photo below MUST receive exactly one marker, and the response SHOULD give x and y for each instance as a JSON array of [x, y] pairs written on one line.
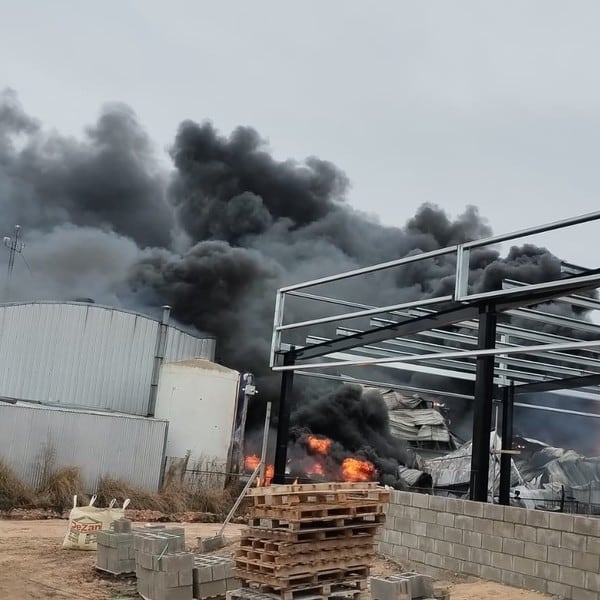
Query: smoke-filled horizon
[[215, 235]]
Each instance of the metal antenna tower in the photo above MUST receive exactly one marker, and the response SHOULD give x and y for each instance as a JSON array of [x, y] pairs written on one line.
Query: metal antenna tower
[[14, 246]]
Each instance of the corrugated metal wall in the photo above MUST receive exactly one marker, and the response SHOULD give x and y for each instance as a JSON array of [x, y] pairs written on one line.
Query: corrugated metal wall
[[124, 447], [85, 355]]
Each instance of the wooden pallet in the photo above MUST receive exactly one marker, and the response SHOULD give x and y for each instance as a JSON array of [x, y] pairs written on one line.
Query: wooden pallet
[[351, 591], [316, 534], [303, 580], [331, 522], [308, 488], [276, 496], [285, 547], [114, 575], [318, 511], [315, 558], [305, 553]]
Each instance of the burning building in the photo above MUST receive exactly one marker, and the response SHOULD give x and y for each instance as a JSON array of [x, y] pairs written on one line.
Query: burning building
[[217, 232]]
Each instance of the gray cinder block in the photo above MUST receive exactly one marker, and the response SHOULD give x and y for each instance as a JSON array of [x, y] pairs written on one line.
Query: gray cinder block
[[232, 583], [202, 572], [145, 560], [213, 588], [102, 558], [387, 588], [421, 586], [211, 543], [122, 526]]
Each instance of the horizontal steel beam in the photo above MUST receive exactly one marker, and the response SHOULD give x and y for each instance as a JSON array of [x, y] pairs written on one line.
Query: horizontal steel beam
[[371, 269], [386, 385], [515, 362], [414, 325], [560, 384], [437, 355], [442, 318], [507, 237], [573, 299], [558, 320], [452, 368], [510, 330], [436, 393], [366, 312], [565, 411], [539, 292]]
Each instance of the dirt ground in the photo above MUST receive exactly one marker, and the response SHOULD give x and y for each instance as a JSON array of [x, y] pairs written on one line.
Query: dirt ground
[[33, 566]]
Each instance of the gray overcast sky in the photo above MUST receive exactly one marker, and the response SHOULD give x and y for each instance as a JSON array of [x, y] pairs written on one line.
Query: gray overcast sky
[[464, 102]]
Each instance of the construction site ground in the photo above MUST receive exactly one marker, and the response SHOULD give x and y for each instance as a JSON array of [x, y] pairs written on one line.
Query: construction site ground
[[34, 566]]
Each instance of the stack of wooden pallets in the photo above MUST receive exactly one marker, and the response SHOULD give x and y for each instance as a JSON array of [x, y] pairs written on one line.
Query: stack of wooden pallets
[[309, 539]]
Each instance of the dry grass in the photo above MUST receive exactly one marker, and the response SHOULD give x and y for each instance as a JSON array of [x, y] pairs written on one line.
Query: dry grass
[[60, 486], [174, 498], [109, 488], [13, 491]]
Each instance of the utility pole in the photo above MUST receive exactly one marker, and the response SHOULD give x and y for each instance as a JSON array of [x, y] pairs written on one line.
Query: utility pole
[[14, 246]]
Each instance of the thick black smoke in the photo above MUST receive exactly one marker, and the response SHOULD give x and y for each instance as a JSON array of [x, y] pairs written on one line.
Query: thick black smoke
[[361, 422], [215, 236]]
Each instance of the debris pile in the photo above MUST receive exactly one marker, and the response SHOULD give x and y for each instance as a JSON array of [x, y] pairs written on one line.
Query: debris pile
[[315, 539]]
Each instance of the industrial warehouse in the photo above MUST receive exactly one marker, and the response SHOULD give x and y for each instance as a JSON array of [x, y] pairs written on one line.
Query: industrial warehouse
[[78, 374]]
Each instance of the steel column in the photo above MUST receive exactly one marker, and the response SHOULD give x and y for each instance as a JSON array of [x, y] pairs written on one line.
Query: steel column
[[508, 399], [283, 421], [482, 414]]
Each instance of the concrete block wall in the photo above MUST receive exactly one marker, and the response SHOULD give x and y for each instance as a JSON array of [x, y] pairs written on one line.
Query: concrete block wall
[[554, 553]]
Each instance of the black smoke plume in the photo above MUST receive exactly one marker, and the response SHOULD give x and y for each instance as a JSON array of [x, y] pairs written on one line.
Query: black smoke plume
[[214, 236], [361, 422]]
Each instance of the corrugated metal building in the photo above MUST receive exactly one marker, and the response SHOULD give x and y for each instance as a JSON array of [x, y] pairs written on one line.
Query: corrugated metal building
[[86, 355], [122, 446]]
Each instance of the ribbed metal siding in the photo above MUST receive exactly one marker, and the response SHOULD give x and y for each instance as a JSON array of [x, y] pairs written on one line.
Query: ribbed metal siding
[[120, 446], [85, 355], [181, 346]]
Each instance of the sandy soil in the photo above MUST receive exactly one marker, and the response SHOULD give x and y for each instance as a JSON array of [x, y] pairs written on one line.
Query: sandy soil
[[33, 566]]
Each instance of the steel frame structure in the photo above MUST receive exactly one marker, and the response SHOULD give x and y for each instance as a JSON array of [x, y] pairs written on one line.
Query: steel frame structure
[[567, 361]]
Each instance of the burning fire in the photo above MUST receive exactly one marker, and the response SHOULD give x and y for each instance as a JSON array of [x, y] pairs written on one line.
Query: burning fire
[[316, 469], [315, 460], [252, 461], [318, 445], [356, 469]]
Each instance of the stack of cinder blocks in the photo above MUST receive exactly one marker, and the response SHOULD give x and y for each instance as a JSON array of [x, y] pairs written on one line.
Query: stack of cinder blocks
[[115, 553], [404, 586], [213, 576], [163, 568]]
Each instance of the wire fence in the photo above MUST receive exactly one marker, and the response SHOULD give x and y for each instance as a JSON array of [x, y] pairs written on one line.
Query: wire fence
[[579, 501]]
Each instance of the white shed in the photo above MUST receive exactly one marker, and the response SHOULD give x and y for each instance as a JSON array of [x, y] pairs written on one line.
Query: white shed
[[199, 399]]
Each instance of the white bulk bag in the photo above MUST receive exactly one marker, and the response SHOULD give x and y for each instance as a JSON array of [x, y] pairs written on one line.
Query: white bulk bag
[[86, 521]]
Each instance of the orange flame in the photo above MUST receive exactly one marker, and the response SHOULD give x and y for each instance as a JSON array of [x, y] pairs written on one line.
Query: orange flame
[[355, 469], [318, 445], [316, 469], [252, 461]]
